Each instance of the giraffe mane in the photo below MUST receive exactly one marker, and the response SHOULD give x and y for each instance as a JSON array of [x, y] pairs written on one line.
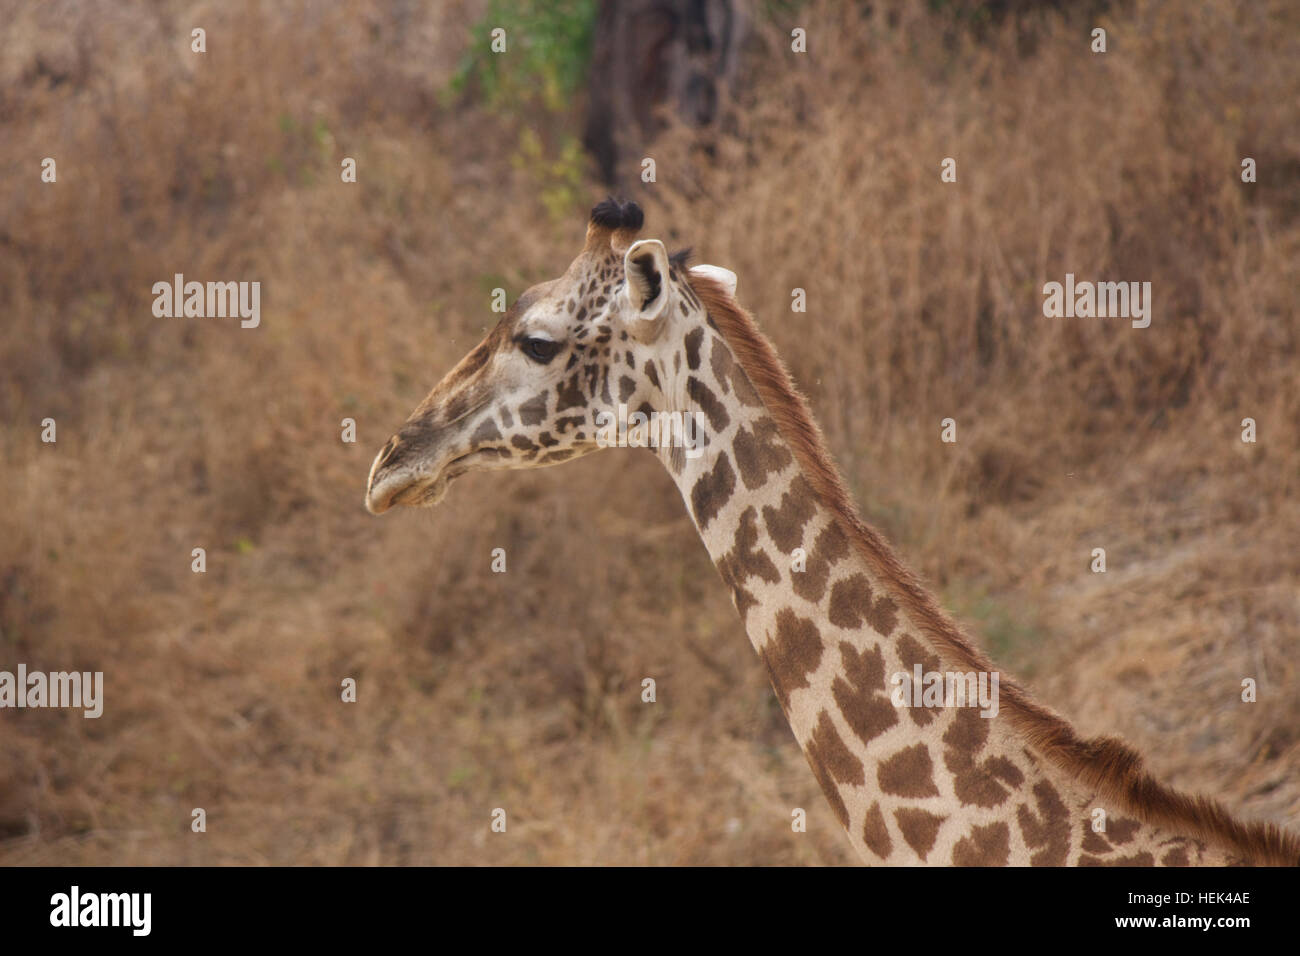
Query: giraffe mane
[[1107, 764]]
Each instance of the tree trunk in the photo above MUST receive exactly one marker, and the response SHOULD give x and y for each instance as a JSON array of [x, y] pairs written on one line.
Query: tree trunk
[[650, 53]]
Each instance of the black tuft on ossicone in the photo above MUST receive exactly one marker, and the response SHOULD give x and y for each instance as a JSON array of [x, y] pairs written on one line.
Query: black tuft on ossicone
[[607, 214], [612, 214], [633, 217]]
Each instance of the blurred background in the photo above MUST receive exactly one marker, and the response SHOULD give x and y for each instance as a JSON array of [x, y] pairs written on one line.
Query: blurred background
[[817, 170]]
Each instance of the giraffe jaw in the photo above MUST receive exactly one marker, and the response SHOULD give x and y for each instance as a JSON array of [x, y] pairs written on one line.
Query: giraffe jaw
[[416, 490]]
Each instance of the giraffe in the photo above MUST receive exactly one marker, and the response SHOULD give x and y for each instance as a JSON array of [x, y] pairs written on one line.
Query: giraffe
[[837, 620]]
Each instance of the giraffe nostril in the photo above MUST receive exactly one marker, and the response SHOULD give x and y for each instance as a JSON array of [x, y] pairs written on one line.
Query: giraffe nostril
[[389, 456]]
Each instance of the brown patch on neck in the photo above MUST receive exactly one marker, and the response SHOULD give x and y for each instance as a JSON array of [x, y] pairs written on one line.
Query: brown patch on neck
[[1107, 764]]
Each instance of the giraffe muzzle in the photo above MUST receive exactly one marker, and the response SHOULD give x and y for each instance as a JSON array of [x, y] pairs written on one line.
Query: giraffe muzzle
[[393, 481]]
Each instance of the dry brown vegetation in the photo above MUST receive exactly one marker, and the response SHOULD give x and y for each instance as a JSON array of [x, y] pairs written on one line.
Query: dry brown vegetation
[[480, 690]]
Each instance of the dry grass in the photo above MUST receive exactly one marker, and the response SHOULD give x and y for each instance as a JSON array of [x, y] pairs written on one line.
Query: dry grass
[[522, 690]]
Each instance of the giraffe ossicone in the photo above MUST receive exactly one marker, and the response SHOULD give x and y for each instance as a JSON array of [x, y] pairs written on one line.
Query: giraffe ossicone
[[832, 612]]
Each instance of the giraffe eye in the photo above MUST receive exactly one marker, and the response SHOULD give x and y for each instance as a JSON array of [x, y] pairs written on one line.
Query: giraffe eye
[[540, 350]]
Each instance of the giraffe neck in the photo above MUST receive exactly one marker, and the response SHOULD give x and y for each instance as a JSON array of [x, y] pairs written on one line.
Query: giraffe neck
[[910, 784]]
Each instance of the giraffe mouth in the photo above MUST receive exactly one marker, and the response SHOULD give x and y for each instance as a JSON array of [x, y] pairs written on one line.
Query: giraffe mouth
[[418, 491]]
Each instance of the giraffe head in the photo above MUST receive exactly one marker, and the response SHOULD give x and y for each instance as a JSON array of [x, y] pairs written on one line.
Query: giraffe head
[[547, 383]]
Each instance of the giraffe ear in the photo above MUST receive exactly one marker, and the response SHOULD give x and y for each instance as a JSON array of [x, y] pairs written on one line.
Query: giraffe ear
[[646, 267], [723, 277]]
